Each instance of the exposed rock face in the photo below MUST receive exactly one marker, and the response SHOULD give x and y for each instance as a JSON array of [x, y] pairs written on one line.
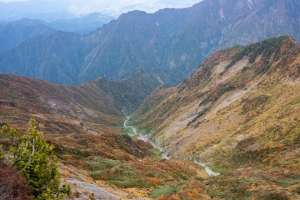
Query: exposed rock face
[[171, 41]]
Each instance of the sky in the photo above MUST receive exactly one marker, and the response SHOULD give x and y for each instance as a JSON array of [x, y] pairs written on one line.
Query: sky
[[108, 7]]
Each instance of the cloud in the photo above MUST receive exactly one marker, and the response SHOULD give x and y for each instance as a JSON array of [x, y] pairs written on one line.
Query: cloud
[[116, 7], [110, 7]]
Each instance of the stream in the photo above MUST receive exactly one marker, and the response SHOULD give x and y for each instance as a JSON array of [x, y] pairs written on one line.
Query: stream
[[144, 138], [164, 153]]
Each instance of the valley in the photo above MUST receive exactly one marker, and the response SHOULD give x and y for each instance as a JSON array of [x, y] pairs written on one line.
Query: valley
[[238, 114], [183, 104], [84, 124], [145, 138], [218, 134]]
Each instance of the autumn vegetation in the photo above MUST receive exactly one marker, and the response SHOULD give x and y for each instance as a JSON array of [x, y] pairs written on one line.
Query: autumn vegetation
[[31, 157], [238, 112]]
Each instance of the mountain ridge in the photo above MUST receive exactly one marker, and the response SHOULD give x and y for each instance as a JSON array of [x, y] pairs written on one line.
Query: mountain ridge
[[238, 113], [14, 33], [171, 41], [100, 103]]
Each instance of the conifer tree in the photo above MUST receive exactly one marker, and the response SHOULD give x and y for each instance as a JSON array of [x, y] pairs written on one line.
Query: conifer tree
[[34, 158]]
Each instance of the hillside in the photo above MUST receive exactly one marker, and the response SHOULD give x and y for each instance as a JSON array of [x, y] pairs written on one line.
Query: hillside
[[14, 33], [238, 113], [100, 103], [170, 41], [83, 123]]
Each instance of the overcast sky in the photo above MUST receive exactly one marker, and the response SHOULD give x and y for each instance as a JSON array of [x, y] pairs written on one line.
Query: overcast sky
[[112, 7]]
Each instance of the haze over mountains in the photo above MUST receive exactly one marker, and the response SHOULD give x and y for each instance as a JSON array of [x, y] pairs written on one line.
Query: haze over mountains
[[14, 32], [238, 112], [55, 9], [172, 41], [234, 110]]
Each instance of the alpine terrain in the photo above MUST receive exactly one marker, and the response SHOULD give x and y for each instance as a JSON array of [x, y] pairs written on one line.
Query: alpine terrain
[[183, 104], [239, 114], [171, 41]]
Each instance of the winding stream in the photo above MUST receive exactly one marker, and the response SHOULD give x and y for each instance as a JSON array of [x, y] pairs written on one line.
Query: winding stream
[[164, 155], [145, 138]]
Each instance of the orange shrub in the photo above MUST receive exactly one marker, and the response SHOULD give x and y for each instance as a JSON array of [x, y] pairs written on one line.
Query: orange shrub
[[280, 145], [156, 181], [80, 167]]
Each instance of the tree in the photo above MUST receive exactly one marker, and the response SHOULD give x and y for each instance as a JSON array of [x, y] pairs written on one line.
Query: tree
[[34, 158]]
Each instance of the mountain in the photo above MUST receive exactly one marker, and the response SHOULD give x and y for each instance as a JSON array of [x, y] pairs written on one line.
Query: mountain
[[84, 125], [238, 113], [101, 103], [170, 41], [128, 93], [50, 61], [13, 33]]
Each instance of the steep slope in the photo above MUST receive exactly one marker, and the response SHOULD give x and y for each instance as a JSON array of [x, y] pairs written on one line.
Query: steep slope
[[135, 40], [171, 41], [13, 33], [23, 98], [56, 58], [101, 103], [129, 93], [83, 123], [178, 40], [239, 110]]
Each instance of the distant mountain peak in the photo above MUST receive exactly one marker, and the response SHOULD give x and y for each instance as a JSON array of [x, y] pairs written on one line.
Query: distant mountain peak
[[171, 41]]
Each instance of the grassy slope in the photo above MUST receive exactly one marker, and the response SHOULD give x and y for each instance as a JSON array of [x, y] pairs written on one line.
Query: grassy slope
[[239, 110], [84, 126]]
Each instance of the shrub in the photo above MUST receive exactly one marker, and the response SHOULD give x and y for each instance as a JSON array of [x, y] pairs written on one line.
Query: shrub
[[298, 190], [33, 157], [12, 184], [161, 190]]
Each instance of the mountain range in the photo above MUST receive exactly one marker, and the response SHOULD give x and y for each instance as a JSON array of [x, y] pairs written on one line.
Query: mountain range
[[171, 41], [234, 110], [237, 113], [85, 126], [15, 32]]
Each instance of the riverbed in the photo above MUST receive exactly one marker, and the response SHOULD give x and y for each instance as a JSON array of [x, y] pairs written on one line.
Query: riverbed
[[145, 137]]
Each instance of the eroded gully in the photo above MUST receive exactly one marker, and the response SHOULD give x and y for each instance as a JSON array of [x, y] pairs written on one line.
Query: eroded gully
[[164, 153]]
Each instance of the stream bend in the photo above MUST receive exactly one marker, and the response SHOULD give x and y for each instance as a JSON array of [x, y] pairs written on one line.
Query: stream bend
[[164, 155]]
